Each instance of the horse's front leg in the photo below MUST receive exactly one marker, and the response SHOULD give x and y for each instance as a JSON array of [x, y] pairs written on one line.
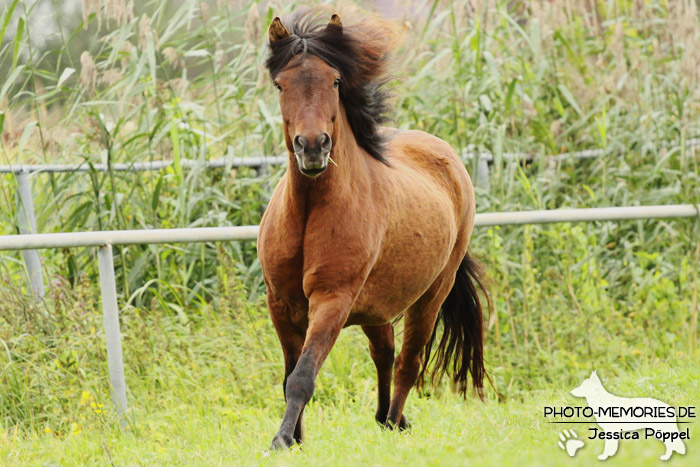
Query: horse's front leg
[[327, 315], [291, 338]]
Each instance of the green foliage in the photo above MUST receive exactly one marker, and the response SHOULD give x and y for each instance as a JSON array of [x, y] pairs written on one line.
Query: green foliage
[[48, 368]]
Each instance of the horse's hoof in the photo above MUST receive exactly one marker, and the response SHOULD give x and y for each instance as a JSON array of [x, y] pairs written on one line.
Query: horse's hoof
[[403, 425], [281, 442], [380, 418]]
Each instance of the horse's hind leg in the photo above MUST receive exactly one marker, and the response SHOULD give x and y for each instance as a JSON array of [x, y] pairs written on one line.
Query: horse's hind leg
[[419, 321], [381, 348]]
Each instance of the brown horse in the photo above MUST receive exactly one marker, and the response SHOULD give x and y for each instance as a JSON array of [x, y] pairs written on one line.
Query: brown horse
[[381, 232]]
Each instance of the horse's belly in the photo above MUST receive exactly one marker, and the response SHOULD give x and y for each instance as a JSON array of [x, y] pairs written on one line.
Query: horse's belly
[[364, 318], [384, 297], [413, 260]]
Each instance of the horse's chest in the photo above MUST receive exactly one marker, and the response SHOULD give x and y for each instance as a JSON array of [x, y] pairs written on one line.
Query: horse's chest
[[320, 256], [283, 263], [280, 251]]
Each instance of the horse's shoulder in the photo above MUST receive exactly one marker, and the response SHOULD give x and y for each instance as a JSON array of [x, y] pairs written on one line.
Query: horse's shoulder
[[274, 200], [275, 223]]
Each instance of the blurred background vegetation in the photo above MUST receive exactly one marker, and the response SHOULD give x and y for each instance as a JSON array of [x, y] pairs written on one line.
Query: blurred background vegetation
[[122, 81]]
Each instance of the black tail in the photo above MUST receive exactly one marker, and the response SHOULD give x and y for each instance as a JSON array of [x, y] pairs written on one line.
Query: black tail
[[461, 348]]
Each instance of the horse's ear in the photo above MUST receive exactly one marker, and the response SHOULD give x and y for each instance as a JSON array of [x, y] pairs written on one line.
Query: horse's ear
[[335, 22], [277, 30]]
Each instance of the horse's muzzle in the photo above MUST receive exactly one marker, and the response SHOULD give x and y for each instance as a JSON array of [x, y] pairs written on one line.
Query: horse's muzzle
[[312, 159]]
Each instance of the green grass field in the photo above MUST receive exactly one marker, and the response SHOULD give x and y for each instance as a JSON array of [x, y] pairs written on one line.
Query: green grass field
[[343, 433], [224, 410], [207, 390], [174, 80]]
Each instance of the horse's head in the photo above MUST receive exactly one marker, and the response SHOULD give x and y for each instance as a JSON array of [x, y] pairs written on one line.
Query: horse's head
[[317, 65], [310, 103]]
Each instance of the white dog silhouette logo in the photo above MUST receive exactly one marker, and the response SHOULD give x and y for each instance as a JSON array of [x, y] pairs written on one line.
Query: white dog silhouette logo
[[619, 415]]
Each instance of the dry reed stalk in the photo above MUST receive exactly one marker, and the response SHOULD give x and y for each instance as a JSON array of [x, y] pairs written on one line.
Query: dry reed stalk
[[88, 71]]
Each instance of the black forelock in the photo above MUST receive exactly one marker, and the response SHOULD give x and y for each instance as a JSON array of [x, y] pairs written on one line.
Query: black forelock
[[365, 100]]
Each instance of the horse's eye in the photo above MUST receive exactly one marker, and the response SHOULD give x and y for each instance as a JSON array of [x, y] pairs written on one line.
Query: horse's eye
[[277, 85], [336, 83]]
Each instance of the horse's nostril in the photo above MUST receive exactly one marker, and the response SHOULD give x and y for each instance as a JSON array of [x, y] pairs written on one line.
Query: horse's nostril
[[324, 141], [300, 143]]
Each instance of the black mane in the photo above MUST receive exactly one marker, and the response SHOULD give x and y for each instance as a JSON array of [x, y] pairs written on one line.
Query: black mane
[[358, 54]]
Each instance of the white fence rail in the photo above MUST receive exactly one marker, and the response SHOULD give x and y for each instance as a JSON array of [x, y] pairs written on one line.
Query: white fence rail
[[258, 162], [105, 240], [250, 232], [255, 162]]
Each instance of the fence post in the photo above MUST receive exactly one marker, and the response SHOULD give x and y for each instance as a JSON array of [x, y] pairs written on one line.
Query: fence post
[[27, 225], [482, 173], [262, 169], [110, 310]]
